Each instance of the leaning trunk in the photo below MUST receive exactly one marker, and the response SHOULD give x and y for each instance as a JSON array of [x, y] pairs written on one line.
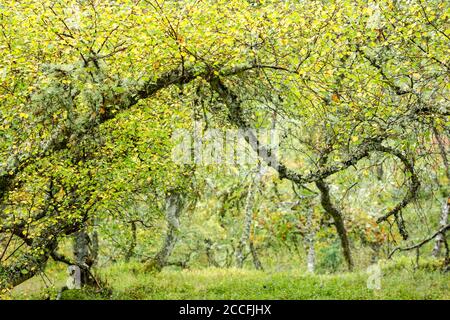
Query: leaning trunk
[[256, 261], [345, 243], [174, 206], [328, 206]]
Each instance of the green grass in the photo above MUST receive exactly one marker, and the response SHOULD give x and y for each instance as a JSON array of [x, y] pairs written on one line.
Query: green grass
[[128, 281]]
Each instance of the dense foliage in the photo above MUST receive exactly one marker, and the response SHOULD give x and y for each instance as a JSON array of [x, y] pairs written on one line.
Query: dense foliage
[[92, 94]]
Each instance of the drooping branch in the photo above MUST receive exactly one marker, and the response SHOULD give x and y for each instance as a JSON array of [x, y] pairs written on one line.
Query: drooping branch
[[234, 104], [58, 257], [423, 242], [62, 136]]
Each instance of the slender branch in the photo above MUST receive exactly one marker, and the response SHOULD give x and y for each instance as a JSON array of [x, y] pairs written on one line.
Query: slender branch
[[423, 242]]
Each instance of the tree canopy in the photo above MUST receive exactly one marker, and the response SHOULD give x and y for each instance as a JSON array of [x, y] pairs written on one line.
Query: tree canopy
[[93, 92]]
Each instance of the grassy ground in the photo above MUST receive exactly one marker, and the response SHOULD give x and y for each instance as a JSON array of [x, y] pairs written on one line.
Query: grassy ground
[[128, 281]]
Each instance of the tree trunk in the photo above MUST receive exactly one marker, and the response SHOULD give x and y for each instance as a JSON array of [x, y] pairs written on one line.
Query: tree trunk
[[249, 203], [440, 238], [345, 243], [256, 261], [311, 255], [94, 247], [133, 243], [209, 254], [83, 258], [174, 206], [325, 200], [247, 225]]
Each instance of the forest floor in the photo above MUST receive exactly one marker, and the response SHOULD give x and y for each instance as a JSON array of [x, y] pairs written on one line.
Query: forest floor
[[128, 281]]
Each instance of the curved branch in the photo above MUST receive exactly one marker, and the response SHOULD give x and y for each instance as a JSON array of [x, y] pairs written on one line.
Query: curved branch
[[62, 136], [234, 104], [414, 183], [423, 242]]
